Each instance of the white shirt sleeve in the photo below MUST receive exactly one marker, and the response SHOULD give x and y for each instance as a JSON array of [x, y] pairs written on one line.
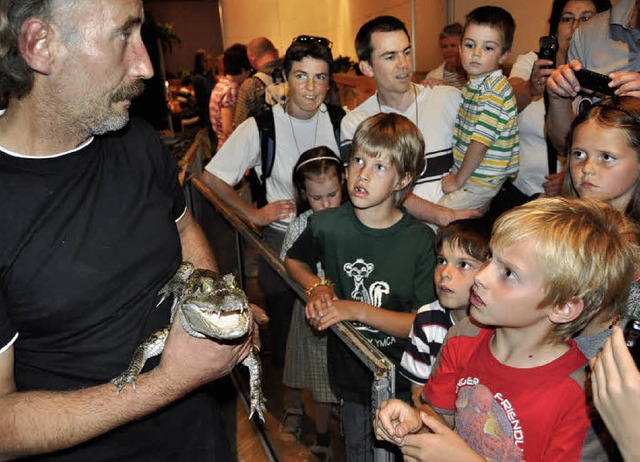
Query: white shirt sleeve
[[523, 66], [238, 154]]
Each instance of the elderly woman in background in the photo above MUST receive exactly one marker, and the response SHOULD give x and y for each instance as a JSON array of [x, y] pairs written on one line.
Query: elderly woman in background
[[450, 72]]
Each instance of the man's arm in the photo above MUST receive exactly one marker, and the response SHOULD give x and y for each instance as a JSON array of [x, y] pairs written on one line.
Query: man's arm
[[195, 247], [562, 87], [436, 214], [35, 422], [271, 212]]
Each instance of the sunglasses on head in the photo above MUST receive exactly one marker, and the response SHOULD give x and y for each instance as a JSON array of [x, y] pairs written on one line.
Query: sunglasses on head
[[325, 42]]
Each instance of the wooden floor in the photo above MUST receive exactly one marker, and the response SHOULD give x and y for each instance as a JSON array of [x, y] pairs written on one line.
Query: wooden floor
[[257, 442], [248, 443]]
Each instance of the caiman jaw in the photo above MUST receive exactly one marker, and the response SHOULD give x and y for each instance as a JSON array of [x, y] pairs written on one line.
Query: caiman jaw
[[226, 325]]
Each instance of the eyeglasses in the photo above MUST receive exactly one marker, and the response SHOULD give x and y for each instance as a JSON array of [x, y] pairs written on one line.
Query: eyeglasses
[[569, 19], [325, 42]]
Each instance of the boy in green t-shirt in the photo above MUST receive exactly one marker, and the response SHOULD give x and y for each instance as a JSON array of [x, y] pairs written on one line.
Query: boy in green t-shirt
[[378, 261]]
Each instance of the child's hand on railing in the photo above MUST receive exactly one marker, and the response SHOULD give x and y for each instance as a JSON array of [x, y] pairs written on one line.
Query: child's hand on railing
[[319, 301]]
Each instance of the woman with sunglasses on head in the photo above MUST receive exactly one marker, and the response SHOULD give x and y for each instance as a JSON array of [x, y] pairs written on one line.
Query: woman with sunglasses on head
[[302, 123], [538, 166]]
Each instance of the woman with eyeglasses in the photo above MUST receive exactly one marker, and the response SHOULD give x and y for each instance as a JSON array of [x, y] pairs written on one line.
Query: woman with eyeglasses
[[538, 173], [302, 123]]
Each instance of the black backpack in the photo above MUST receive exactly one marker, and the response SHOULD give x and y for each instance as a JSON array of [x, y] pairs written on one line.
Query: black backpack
[[267, 134]]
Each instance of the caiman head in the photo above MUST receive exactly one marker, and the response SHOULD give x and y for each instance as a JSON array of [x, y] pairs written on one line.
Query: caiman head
[[214, 306]]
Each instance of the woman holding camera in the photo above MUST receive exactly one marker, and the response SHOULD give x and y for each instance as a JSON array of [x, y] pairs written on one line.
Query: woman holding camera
[[528, 77]]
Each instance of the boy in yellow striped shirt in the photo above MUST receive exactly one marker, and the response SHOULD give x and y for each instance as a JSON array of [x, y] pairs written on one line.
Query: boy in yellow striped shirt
[[485, 141]]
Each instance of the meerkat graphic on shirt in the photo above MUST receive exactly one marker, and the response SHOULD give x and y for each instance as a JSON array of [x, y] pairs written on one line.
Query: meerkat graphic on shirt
[[371, 294]]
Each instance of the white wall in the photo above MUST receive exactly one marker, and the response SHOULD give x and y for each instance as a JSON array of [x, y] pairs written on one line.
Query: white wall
[[339, 20]]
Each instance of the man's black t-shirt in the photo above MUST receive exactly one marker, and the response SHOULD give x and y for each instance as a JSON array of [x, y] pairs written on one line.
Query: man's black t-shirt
[[88, 237]]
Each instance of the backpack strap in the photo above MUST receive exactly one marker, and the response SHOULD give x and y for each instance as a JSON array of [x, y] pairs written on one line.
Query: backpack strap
[[264, 78], [267, 136], [336, 113]]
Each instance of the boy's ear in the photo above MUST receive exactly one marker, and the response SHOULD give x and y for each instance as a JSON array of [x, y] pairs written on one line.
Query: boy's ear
[[505, 56], [567, 312], [36, 42], [366, 68], [404, 182]]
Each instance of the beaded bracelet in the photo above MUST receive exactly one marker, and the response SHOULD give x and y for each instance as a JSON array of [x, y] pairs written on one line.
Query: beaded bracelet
[[321, 282]]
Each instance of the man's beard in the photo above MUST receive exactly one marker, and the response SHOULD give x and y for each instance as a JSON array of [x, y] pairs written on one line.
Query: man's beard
[[113, 121]]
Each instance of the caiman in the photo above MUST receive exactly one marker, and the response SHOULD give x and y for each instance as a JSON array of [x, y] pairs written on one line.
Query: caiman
[[208, 305]]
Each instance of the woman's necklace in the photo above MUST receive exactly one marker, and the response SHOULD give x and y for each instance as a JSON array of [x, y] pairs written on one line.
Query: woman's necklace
[[293, 132], [415, 101]]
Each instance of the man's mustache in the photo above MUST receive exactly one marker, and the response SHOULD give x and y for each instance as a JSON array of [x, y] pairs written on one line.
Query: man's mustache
[[129, 91]]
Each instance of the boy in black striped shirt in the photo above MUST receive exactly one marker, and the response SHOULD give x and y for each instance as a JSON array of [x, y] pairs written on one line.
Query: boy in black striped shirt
[[461, 248]]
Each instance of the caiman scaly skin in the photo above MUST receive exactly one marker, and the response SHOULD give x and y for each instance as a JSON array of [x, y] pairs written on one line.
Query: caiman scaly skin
[[208, 305]]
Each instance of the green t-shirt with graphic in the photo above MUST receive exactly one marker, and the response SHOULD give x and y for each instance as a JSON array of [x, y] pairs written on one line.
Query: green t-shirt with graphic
[[390, 268]]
